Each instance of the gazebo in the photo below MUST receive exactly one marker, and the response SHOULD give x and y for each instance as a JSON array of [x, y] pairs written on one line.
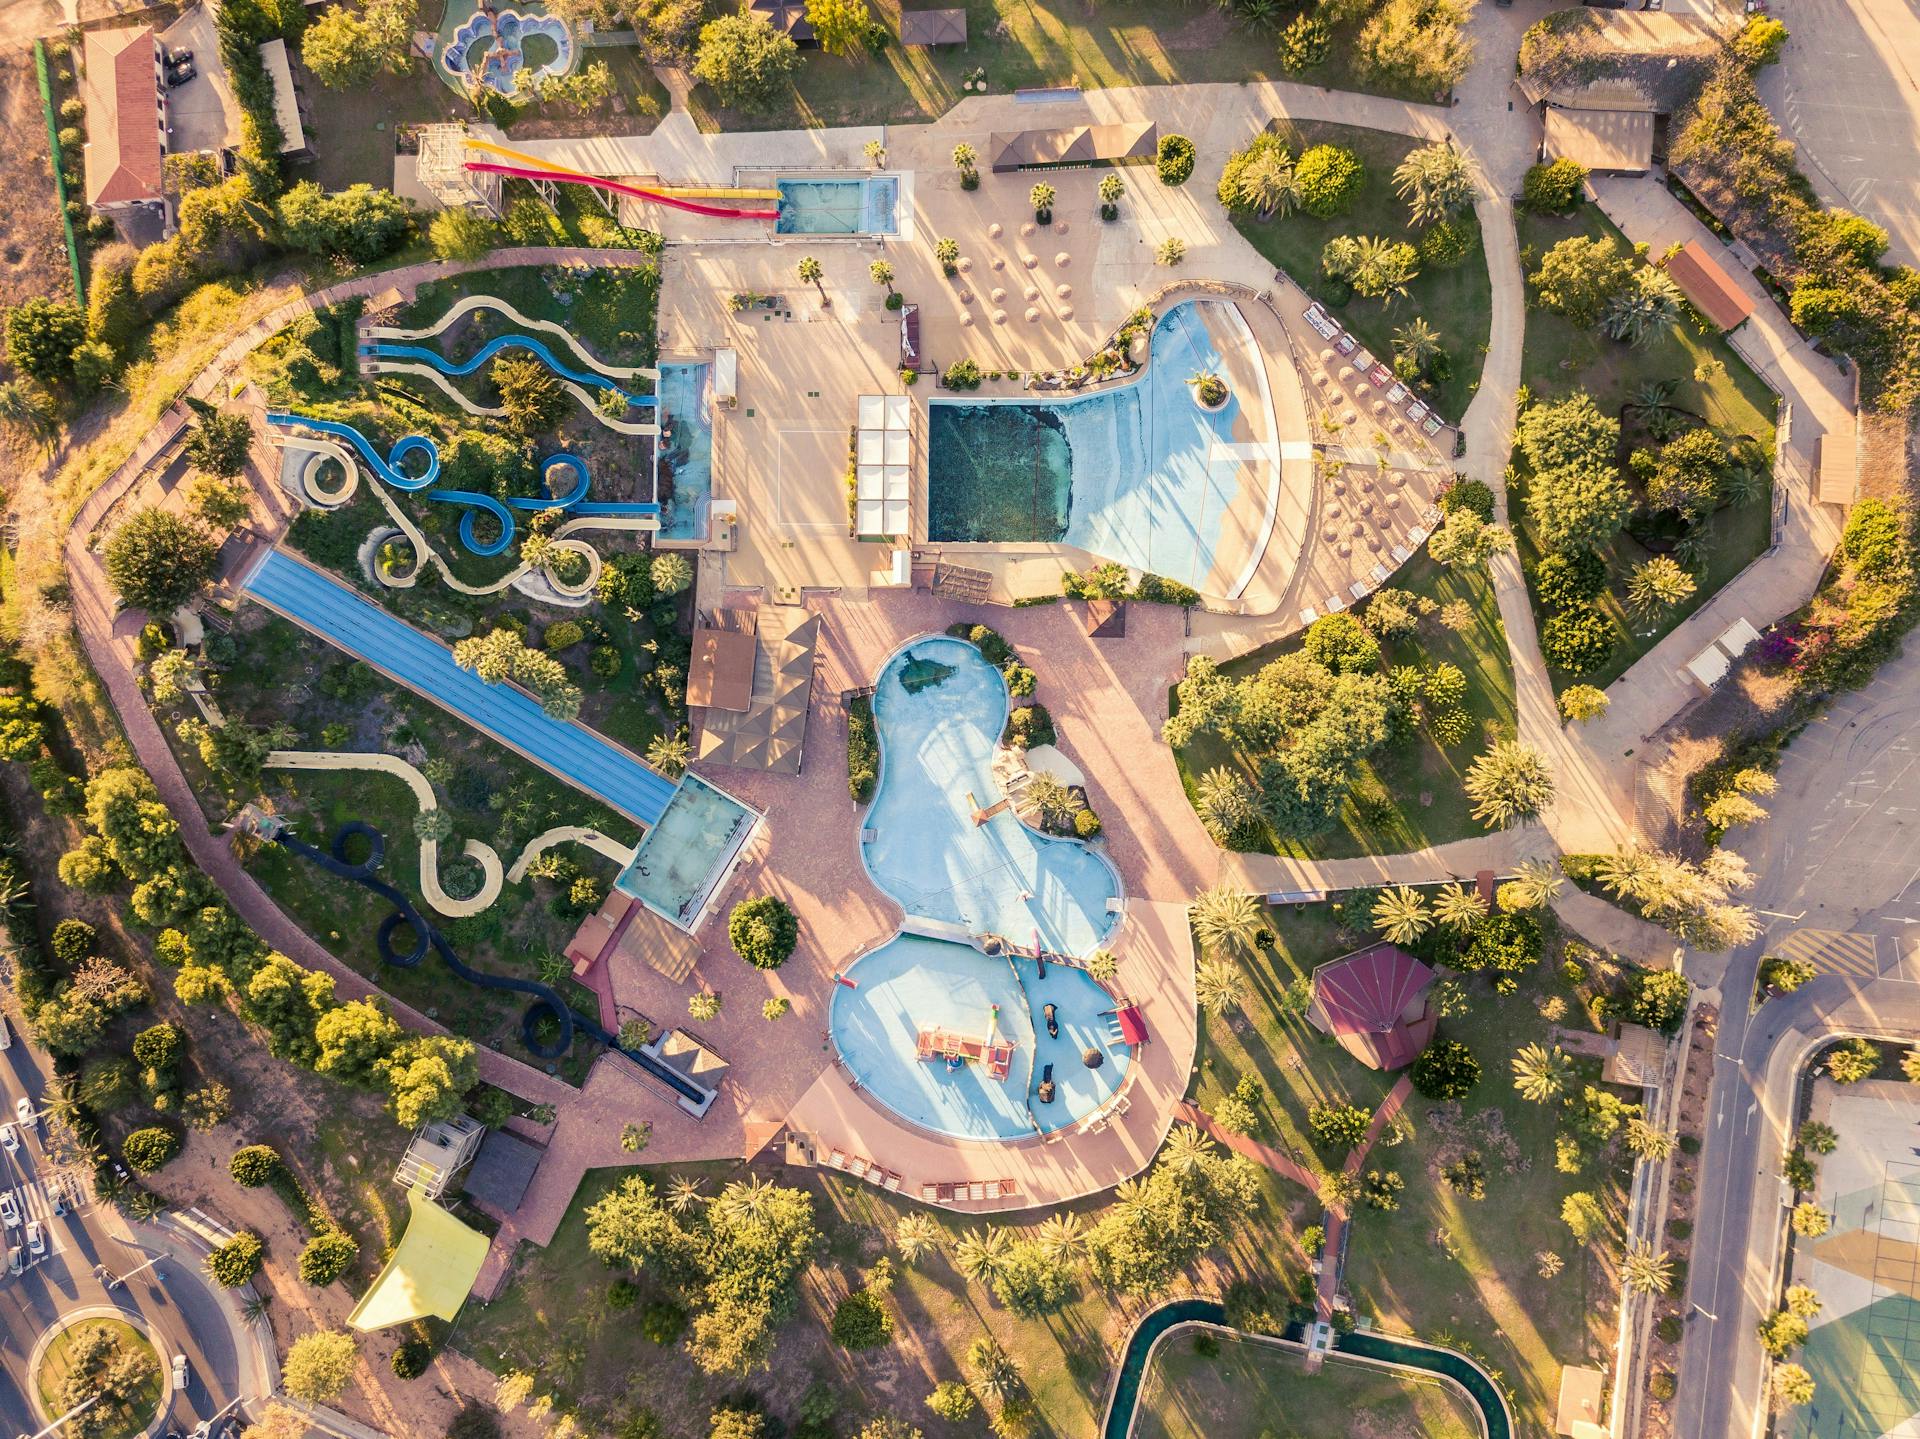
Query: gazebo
[[933, 27], [1374, 1001], [789, 17]]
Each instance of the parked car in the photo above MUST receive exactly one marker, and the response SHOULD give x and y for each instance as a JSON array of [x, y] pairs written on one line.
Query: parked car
[[57, 1192], [179, 1371], [23, 1108], [178, 75], [36, 1240], [9, 1209], [9, 1138], [13, 1261]]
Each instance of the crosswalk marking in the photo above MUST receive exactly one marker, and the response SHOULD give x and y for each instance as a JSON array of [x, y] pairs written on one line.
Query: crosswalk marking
[[1833, 951]]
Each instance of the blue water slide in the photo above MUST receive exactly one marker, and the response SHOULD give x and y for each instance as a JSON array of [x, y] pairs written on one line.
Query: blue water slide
[[588, 761], [573, 464], [385, 466], [478, 504], [384, 350], [613, 509]]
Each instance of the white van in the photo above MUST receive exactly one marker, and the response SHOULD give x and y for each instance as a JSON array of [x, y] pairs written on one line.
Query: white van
[[6, 1035]]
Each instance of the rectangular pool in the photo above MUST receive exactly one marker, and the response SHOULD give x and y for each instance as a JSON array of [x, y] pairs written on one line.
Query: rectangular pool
[[686, 409], [687, 851], [868, 205]]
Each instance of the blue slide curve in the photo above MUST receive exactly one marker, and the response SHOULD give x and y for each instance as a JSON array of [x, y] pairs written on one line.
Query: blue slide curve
[[586, 760], [386, 467], [383, 350], [571, 502]]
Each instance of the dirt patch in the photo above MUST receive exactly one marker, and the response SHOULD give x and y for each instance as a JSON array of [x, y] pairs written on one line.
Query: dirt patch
[[1202, 32], [33, 247]]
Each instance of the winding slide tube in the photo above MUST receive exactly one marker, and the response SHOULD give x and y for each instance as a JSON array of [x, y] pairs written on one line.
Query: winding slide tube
[[386, 350]]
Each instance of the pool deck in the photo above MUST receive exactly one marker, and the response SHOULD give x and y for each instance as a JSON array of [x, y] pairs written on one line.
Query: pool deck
[[1107, 697]]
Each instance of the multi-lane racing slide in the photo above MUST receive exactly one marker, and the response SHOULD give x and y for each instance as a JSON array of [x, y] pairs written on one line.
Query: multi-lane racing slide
[[532, 167]]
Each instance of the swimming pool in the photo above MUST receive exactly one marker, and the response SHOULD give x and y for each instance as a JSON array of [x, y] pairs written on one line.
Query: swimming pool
[[913, 983], [1138, 473], [686, 406], [687, 850], [924, 849], [868, 205]]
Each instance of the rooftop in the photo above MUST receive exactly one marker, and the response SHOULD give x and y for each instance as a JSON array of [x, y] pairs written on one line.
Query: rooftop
[[1712, 291], [1609, 141], [121, 87], [1374, 1001], [933, 27], [502, 1171]]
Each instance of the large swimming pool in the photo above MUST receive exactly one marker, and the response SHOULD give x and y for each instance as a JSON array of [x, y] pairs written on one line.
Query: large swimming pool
[[686, 408], [939, 707], [1138, 473], [867, 205]]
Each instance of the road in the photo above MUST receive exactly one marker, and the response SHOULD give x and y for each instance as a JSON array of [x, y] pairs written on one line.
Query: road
[[1840, 867], [172, 1301]]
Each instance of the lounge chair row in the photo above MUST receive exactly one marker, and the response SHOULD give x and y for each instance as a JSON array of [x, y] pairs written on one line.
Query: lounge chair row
[[968, 1190], [877, 1174]]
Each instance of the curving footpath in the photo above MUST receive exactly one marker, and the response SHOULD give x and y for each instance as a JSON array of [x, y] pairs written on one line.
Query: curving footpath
[[620, 854], [468, 304], [388, 764], [1382, 1351], [377, 365]]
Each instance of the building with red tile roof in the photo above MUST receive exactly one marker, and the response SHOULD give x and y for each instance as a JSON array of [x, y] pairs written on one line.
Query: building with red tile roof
[[126, 98], [1710, 289], [1374, 1001]]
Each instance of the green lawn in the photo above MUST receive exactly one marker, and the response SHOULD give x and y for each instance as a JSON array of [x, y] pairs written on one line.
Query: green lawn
[[1255, 1391], [1409, 795], [1562, 357], [1047, 43], [611, 312], [1460, 1271], [125, 1418], [1457, 301]]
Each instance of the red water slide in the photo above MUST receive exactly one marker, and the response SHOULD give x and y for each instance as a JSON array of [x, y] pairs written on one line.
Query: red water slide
[[719, 212]]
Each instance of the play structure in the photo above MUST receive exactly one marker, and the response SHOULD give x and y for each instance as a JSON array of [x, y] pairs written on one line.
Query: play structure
[[523, 166], [490, 46], [953, 1049]]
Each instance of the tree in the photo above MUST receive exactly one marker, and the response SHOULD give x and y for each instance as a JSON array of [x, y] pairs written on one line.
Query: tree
[[217, 443], [1648, 1140], [236, 1261], [966, 160], [1582, 1213], [149, 1149], [840, 26], [339, 49], [1339, 1127], [1401, 914], [1041, 197], [1645, 1272], [861, 1321], [1535, 884], [1436, 182], [744, 59], [763, 931], [1553, 189], [359, 222], [318, 1366], [810, 272], [327, 1256], [951, 1400], [1329, 176], [158, 561], [358, 1039], [1468, 542], [1760, 41], [1791, 1386], [1576, 496], [1577, 641], [1542, 1074], [669, 754], [1218, 986], [1580, 703], [1686, 474], [996, 1377], [1510, 781], [1381, 269], [277, 1421], [1445, 1069], [1802, 1301], [529, 393], [916, 1233], [1656, 586], [1161, 1223], [459, 233], [1810, 1220], [1780, 1332], [1416, 343], [427, 1076], [1226, 919], [1111, 189], [1458, 908], [981, 1253], [1579, 278], [1342, 644], [220, 504], [1225, 804], [1851, 1060], [1649, 305], [42, 335], [1421, 46]]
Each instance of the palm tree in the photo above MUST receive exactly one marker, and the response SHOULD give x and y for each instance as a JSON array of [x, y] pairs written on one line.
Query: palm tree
[[1436, 182], [1627, 873], [882, 274], [1186, 1148], [811, 271], [1510, 781], [1101, 965], [1657, 585], [1541, 1074], [916, 1234], [965, 158], [982, 1253], [1535, 884], [1225, 919], [947, 251], [1225, 804], [1457, 907], [1042, 197], [683, 1194], [1383, 268], [1112, 187], [1649, 1141], [1401, 914], [1648, 306], [745, 1198], [26, 408], [1217, 986], [1644, 1271], [669, 754], [1061, 1237], [1268, 186], [1130, 1198], [1651, 397], [996, 1378], [1416, 342]]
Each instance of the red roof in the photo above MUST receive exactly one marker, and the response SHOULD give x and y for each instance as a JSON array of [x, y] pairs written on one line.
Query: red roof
[[1133, 1028], [122, 91], [1712, 290], [1374, 1001]]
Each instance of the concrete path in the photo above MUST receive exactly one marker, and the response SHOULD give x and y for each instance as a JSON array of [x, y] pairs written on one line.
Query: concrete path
[[1613, 929], [612, 848]]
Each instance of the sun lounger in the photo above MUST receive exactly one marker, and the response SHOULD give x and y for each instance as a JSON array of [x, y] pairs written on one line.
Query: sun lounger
[[1309, 615], [929, 1192], [1358, 589], [893, 1182], [1334, 602], [977, 1190], [837, 1159], [857, 1167]]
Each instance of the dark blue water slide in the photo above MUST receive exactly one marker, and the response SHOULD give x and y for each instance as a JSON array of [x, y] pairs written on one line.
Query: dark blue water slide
[[433, 359], [587, 760], [385, 466]]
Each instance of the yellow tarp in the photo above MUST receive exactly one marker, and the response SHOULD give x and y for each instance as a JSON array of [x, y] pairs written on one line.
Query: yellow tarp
[[430, 1273]]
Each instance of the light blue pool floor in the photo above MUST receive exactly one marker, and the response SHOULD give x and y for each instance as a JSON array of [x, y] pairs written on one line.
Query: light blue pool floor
[[912, 982], [684, 405], [997, 878]]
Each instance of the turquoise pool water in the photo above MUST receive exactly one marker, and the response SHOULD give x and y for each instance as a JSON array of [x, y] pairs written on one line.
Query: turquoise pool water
[[939, 707], [994, 878], [686, 404], [684, 853], [1131, 473], [868, 205], [911, 983]]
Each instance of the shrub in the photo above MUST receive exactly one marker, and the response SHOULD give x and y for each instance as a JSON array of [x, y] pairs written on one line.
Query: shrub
[[1569, 579], [763, 931], [1086, 823], [1577, 641], [1447, 243], [1342, 644], [564, 634], [991, 643], [72, 942], [1445, 1069], [671, 573], [605, 661], [147, 1150], [1020, 681], [1329, 177], [962, 374], [863, 750], [411, 1359], [1173, 161], [327, 1256], [1029, 725], [255, 1165], [861, 1321], [663, 1323], [1553, 189], [951, 1400], [1663, 1386], [1468, 494], [159, 1046], [236, 1261]]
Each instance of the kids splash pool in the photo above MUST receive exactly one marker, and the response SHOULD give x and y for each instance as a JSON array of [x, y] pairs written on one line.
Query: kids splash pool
[[1138, 473], [952, 1038]]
